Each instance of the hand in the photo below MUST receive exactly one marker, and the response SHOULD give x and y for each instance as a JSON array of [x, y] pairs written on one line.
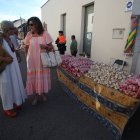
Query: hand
[[50, 47], [18, 55], [43, 46], [8, 59], [19, 59], [47, 47]]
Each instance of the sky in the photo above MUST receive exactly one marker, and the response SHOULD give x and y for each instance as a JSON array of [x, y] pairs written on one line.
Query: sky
[[14, 9]]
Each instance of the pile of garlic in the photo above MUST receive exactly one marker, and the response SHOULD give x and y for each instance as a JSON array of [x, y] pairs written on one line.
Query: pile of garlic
[[107, 75]]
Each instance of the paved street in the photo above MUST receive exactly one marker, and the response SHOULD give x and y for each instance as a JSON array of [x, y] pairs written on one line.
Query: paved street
[[60, 118]]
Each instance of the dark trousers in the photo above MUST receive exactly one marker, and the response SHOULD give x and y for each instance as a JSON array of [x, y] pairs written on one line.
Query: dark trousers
[[74, 53], [61, 48]]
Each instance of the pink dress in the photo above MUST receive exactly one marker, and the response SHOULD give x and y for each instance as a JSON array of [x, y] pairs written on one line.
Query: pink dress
[[38, 78]]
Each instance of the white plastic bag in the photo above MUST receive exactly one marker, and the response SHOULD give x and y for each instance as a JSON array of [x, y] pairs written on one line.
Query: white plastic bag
[[51, 59], [58, 57], [46, 61]]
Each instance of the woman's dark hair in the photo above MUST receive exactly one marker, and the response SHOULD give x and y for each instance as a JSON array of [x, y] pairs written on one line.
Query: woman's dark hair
[[73, 36], [38, 24]]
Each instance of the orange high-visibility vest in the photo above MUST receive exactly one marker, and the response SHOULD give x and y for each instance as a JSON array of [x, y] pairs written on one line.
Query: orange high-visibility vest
[[62, 39]]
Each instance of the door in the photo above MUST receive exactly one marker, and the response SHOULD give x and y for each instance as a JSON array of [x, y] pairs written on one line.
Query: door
[[88, 29], [63, 24]]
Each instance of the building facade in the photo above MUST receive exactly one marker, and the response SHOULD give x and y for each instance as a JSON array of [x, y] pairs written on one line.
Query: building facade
[[101, 27], [21, 25]]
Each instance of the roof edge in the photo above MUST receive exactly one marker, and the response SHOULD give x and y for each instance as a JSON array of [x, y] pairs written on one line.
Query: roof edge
[[45, 3]]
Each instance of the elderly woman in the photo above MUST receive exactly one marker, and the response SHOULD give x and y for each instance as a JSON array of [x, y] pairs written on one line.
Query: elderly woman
[[12, 91]]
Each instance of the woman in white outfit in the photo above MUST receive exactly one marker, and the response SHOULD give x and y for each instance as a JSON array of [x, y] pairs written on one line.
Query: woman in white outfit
[[12, 91]]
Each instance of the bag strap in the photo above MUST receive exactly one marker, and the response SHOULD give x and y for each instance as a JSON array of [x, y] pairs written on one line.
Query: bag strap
[[44, 38]]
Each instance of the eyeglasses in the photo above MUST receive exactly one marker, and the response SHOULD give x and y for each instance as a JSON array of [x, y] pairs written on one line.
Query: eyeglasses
[[31, 24]]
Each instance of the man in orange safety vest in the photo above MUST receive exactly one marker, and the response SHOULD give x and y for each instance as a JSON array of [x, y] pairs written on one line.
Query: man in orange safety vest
[[61, 43]]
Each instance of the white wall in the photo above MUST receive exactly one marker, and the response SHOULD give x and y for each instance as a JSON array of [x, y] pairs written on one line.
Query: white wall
[[108, 15], [52, 11]]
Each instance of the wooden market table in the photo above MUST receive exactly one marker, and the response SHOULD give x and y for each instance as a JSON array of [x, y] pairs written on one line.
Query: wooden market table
[[111, 107]]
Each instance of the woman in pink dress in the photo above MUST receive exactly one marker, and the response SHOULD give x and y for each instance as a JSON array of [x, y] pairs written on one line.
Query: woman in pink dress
[[38, 78]]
